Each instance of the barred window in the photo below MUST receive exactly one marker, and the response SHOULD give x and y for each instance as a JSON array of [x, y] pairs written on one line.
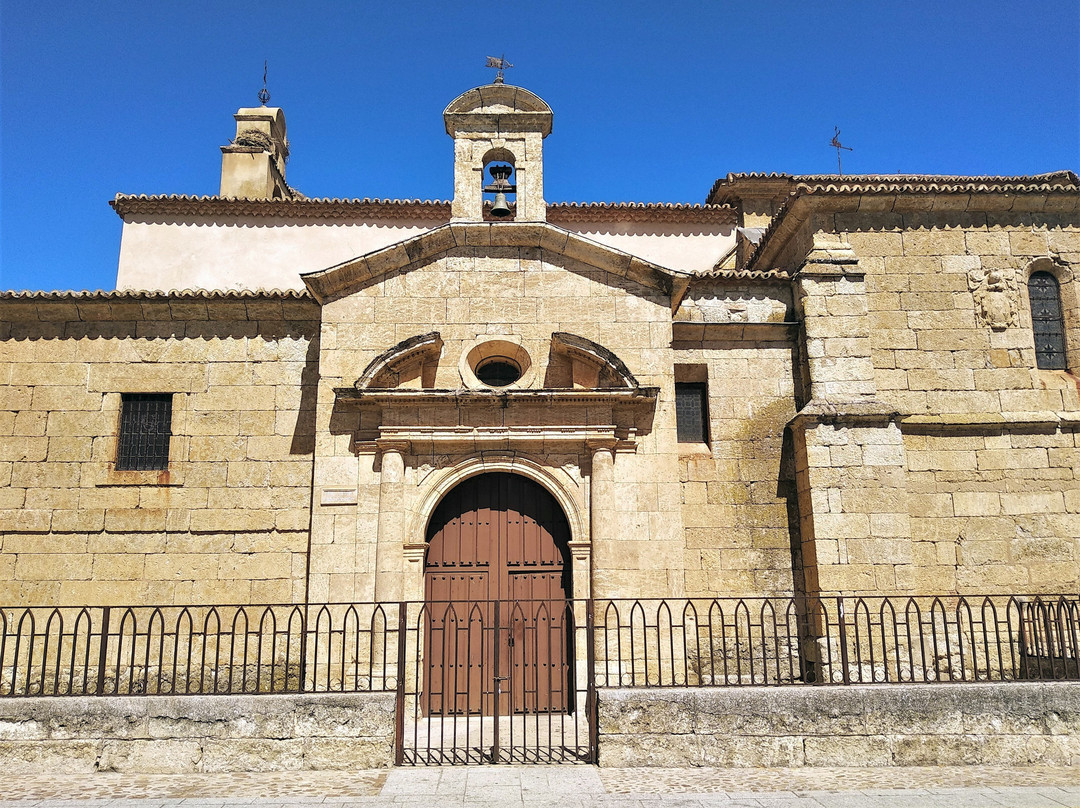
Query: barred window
[[145, 429], [1044, 294], [692, 412]]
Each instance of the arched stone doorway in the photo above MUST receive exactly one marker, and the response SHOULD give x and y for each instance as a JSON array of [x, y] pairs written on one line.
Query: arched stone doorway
[[497, 578]]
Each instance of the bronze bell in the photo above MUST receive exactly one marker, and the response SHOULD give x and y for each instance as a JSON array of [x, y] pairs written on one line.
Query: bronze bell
[[500, 208], [500, 186]]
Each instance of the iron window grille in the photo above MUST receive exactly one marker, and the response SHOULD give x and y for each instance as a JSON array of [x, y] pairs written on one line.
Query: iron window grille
[[145, 429], [1047, 323], [692, 412]]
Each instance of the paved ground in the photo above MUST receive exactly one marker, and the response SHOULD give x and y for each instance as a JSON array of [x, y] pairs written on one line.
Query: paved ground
[[560, 787]]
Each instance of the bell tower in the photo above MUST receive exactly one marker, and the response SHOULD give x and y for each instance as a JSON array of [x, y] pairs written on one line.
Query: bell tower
[[498, 133]]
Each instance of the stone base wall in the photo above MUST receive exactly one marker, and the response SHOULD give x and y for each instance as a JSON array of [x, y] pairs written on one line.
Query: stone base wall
[[887, 725], [166, 734]]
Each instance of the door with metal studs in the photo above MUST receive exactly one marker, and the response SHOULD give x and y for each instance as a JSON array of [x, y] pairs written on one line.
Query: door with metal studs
[[497, 583]]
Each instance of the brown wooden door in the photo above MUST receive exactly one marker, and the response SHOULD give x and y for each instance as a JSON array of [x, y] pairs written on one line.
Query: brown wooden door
[[497, 576]]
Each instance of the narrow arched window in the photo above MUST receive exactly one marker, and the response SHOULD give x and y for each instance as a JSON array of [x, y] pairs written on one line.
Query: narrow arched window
[[1044, 292]]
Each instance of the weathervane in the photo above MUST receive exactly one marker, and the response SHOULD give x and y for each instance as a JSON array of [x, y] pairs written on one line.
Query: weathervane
[[264, 94], [500, 64], [836, 144]]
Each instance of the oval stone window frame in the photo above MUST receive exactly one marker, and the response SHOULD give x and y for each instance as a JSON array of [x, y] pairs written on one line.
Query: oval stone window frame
[[490, 350]]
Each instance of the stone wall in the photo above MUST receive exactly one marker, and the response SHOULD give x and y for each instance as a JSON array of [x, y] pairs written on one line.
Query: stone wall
[[228, 520], [471, 295], [890, 725], [738, 491], [163, 734], [990, 439]]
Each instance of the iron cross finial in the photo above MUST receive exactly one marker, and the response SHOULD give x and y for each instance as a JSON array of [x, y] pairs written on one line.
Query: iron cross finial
[[836, 144], [501, 65], [264, 94]]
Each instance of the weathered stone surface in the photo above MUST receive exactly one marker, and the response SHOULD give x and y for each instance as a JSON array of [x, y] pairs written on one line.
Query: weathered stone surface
[[859, 725], [207, 734]]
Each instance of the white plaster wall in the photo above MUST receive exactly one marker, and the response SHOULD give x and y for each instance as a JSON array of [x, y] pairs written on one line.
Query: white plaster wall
[[681, 247], [272, 253], [246, 253]]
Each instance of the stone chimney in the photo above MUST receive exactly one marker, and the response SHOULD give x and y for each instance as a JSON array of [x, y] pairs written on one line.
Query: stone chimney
[[253, 165]]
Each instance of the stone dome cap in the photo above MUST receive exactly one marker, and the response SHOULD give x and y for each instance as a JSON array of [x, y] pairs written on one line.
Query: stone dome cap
[[528, 110]]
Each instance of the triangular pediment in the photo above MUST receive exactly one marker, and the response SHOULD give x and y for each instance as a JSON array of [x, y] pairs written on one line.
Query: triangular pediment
[[338, 281]]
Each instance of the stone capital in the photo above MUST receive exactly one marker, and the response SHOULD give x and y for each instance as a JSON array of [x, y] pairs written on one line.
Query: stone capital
[[415, 551], [595, 445], [386, 445]]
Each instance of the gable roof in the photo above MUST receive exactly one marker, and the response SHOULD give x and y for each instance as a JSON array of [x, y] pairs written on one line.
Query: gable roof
[[336, 281], [1058, 191]]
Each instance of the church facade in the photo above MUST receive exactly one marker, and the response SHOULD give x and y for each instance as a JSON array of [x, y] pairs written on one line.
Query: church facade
[[858, 385]]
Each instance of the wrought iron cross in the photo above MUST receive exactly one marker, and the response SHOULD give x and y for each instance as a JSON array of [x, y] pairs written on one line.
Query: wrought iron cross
[[264, 94], [500, 64], [836, 144]]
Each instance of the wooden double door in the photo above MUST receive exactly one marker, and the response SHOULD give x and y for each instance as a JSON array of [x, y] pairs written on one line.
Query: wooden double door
[[498, 629]]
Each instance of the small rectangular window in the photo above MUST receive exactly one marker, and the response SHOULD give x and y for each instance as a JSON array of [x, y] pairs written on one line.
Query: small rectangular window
[[692, 412], [145, 429]]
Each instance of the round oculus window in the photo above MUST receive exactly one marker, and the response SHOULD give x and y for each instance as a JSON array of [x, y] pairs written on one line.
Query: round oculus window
[[498, 371]]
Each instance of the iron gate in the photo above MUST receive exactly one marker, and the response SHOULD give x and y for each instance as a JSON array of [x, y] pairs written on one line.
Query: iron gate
[[496, 682]]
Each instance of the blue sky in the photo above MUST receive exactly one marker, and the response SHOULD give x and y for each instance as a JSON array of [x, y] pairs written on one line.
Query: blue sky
[[653, 100]]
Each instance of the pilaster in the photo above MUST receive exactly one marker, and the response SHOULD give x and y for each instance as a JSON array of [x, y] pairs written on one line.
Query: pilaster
[[390, 548], [851, 468]]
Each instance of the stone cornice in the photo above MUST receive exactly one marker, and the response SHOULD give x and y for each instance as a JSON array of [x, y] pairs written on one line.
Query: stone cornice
[[990, 422], [497, 398], [689, 331], [864, 412]]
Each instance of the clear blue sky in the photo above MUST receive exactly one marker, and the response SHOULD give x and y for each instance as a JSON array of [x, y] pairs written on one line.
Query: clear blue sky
[[653, 100]]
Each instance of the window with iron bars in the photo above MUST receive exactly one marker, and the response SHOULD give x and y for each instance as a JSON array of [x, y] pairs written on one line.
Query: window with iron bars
[[1044, 293], [145, 430], [692, 412]]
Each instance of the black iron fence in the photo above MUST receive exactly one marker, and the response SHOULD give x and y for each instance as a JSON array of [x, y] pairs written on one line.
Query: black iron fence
[[369, 647]]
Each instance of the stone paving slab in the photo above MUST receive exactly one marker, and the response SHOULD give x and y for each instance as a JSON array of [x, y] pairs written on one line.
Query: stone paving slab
[[560, 787]]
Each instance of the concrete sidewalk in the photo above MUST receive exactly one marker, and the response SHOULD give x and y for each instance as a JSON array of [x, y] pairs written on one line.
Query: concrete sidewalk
[[560, 787]]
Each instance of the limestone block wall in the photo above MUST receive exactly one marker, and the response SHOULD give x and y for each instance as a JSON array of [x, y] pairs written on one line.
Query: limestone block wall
[[738, 492], [990, 439], [1012, 724], [168, 734], [470, 295], [995, 508], [950, 320], [228, 520]]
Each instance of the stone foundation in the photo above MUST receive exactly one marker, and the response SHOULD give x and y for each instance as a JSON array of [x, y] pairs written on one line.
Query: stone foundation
[[886, 725], [165, 734]]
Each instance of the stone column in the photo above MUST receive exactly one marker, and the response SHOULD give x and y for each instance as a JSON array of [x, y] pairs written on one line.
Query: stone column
[[389, 552], [851, 468]]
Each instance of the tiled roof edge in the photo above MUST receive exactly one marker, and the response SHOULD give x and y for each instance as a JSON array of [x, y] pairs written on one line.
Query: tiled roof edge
[[640, 211], [154, 295], [125, 204], [904, 183], [435, 209], [745, 274]]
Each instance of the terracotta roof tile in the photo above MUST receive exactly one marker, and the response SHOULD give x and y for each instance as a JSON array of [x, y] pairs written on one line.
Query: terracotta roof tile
[[153, 296], [729, 187], [436, 210]]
